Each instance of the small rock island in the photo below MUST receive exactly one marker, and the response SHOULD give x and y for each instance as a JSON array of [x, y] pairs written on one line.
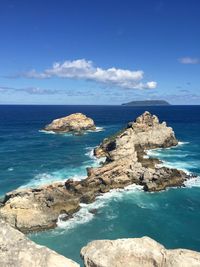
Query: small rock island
[[74, 123]]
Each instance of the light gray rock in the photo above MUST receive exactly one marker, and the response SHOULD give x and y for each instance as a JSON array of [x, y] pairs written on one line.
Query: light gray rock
[[38, 209], [126, 150], [76, 123], [136, 252], [16, 250]]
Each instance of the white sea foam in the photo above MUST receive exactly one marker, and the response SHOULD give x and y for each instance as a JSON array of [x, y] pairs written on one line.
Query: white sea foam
[[10, 169], [97, 129], [174, 152], [178, 164], [90, 154], [56, 176], [164, 154], [47, 132], [87, 211], [193, 182], [66, 173], [182, 143], [39, 180]]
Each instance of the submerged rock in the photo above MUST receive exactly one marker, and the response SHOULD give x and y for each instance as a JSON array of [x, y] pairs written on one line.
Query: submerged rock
[[19, 251], [38, 209], [136, 252], [76, 123]]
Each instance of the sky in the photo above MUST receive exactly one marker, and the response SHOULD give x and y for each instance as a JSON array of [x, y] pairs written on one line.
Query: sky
[[94, 52]]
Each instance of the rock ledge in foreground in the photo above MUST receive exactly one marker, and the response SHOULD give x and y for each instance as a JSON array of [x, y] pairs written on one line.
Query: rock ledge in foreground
[[136, 252], [16, 250], [76, 123]]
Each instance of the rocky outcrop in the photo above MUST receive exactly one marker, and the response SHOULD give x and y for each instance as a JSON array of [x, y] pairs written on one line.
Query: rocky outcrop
[[126, 150], [75, 123], [38, 209], [136, 252], [144, 133], [16, 250]]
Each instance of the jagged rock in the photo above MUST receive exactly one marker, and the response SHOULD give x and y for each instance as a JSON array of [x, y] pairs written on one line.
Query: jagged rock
[[126, 151], [145, 133], [136, 252], [76, 123], [16, 250], [37, 209]]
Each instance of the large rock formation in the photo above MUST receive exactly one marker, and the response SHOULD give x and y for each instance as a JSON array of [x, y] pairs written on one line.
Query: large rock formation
[[75, 123], [38, 209], [145, 133], [126, 151], [16, 250], [136, 252]]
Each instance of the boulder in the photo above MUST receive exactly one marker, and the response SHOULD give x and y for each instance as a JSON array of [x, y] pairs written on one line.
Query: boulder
[[136, 252], [16, 250]]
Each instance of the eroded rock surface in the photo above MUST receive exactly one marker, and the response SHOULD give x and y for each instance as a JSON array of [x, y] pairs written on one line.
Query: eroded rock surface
[[127, 149], [136, 252], [18, 251], [38, 209], [75, 123]]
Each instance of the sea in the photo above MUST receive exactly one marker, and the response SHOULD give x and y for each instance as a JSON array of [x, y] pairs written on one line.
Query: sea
[[30, 157]]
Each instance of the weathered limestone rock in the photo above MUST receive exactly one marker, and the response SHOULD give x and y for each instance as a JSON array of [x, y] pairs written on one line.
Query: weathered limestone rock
[[136, 252], [76, 123], [145, 133], [38, 209], [18, 251], [127, 148]]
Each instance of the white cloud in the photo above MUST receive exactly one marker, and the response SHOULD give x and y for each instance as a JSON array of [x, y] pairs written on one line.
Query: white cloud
[[83, 69], [151, 85], [189, 60]]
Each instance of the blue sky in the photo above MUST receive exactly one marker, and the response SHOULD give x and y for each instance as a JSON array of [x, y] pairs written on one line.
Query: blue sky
[[99, 51]]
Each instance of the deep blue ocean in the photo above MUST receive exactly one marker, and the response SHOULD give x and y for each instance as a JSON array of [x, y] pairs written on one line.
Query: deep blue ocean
[[30, 157]]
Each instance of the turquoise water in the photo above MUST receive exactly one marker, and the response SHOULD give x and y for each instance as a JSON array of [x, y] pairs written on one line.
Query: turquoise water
[[29, 157]]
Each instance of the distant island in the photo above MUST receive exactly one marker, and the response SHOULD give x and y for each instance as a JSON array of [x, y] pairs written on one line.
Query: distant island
[[147, 103]]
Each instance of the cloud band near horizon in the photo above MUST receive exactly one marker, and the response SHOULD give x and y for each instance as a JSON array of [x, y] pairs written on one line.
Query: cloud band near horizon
[[84, 69]]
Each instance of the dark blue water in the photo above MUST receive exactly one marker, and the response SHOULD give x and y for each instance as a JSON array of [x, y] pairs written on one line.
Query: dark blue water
[[29, 157]]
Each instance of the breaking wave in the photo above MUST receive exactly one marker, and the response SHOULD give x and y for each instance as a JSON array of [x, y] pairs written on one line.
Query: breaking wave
[[88, 211]]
